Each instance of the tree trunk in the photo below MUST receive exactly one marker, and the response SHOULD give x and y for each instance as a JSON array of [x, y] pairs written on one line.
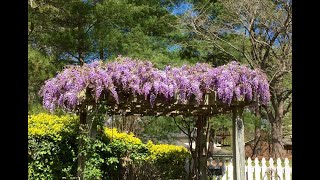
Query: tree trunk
[[256, 141], [276, 133], [276, 127], [81, 44], [101, 54]]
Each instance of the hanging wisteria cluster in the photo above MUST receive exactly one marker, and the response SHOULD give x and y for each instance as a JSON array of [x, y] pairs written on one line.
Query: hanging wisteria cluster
[[231, 82]]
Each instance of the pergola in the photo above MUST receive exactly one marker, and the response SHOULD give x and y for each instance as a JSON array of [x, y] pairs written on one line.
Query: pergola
[[133, 87]]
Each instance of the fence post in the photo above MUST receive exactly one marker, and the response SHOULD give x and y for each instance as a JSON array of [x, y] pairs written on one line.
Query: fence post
[[250, 173], [257, 169], [224, 173], [263, 167], [230, 171], [287, 169], [271, 168], [279, 168]]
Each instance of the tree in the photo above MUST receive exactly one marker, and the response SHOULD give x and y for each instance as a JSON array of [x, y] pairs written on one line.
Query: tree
[[61, 28], [40, 68], [265, 28], [77, 31]]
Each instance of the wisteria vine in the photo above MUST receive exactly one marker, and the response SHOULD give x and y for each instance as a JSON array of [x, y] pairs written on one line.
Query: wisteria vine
[[231, 82]]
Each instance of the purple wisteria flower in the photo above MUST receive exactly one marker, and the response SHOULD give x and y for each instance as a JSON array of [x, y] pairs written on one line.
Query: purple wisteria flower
[[231, 82]]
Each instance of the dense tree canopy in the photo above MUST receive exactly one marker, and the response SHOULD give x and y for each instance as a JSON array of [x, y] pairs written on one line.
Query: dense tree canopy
[[79, 31], [40, 68]]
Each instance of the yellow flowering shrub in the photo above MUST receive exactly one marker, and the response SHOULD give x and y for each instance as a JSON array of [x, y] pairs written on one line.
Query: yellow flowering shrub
[[52, 146], [43, 124], [165, 161], [168, 158], [162, 150], [122, 136]]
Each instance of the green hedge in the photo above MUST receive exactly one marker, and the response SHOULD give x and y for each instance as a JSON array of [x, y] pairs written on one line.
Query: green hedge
[[163, 161], [169, 159], [52, 146], [52, 152]]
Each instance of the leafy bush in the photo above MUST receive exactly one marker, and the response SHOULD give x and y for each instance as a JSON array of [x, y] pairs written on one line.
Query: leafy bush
[[53, 149], [51, 146], [143, 161], [125, 152], [113, 134], [169, 159], [51, 126]]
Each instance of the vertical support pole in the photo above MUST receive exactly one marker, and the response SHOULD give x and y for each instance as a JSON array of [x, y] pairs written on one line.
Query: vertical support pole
[[211, 142], [83, 131], [238, 144], [81, 156], [201, 145]]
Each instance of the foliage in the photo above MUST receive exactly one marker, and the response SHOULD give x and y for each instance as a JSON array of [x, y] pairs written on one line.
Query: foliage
[[251, 122], [114, 135], [158, 129], [51, 126], [168, 159], [95, 151], [159, 151], [40, 68], [287, 121], [263, 39], [77, 31], [123, 150], [51, 146], [53, 150], [231, 81]]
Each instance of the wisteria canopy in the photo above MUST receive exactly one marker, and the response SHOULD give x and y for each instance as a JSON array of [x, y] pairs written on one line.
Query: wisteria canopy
[[130, 84]]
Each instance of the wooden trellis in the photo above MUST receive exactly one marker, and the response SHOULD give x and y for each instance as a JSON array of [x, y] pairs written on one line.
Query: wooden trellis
[[84, 88], [129, 104]]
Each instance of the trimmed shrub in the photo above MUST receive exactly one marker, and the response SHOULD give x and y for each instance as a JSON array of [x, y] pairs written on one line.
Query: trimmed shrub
[[51, 146], [53, 150], [169, 159], [125, 152]]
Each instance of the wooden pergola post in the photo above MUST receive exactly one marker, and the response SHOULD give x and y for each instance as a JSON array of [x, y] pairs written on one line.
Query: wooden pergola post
[[87, 128], [238, 144], [201, 145], [81, 156]]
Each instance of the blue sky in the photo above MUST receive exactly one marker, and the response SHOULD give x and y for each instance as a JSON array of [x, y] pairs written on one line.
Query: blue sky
[[180, 9]]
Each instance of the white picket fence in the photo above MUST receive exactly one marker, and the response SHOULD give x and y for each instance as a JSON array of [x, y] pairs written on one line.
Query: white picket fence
[[255, 171]]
